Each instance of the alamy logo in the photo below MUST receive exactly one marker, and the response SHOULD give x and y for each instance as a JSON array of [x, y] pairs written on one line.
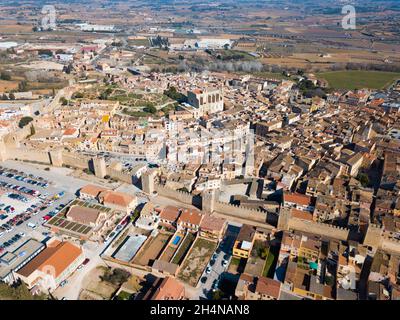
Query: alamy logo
[[49, 18], [349, 20]]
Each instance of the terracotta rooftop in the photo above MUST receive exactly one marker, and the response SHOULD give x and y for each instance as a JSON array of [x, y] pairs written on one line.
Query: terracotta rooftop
[[300, 214], [83, 215], [69, 131], [190, 216], [210, 223], [170, 289], [58, 256], [116, 198], [92, 190], [297, 198], [170, 213], [268, 287]]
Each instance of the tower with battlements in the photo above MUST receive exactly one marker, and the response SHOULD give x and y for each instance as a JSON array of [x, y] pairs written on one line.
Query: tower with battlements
[[373, 237], [284, 218], [56, 158], [208, 200], [148, 181], [99, 167]]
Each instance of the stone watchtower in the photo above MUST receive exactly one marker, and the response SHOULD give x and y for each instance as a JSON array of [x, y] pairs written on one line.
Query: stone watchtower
[[99, 167], [148, 181], [209, 198], [373, 236], [56, 158], [284, 218]]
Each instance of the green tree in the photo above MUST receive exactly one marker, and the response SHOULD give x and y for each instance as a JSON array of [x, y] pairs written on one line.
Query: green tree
[[5, 76], [363, 178], [150, 109], [24, 121], [23, 86], [17, 291], [116, 277], [33, 131], [175, 95], [217, 295], [63, 101]]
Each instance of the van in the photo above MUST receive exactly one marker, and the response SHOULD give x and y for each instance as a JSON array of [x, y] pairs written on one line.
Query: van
[[31, 225]]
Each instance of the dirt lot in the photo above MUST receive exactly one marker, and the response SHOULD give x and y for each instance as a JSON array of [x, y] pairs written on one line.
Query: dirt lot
[[152, 249], [196, 261], [94, 288], [6, 86]]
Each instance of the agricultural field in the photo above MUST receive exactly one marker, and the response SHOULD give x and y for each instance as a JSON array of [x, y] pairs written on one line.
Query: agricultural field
[[351, 80]]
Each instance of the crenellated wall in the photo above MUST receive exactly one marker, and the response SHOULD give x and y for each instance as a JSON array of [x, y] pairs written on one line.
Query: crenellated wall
[[240, 212], [75, 160], [177, 195], [25, 154], [119, 175], [321, 229]]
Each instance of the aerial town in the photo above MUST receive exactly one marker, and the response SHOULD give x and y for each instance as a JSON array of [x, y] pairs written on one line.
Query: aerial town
[[189, 151]]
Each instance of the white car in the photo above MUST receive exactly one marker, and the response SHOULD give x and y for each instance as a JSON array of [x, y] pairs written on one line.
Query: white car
[[22, 234], [224, 263], [208, 270]]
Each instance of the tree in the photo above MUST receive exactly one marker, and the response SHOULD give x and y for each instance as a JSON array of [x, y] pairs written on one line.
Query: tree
[[11, 96], [150, 109], [5, 76], [33, 131], [63, 101], [77, 95], [17, 291], [175, 95], [22, 86], [116, 277], [363, 178], [24, 121], [217, 295]]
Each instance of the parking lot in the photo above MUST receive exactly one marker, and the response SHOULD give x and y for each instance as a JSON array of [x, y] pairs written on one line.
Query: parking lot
[[212, 275], [25, 199]]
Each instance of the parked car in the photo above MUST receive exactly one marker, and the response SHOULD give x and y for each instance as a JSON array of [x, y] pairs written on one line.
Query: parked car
[[31, 225], [63, 283]]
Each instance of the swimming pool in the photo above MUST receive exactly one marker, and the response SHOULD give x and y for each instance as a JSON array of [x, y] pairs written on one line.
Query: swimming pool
[[176, 240]]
